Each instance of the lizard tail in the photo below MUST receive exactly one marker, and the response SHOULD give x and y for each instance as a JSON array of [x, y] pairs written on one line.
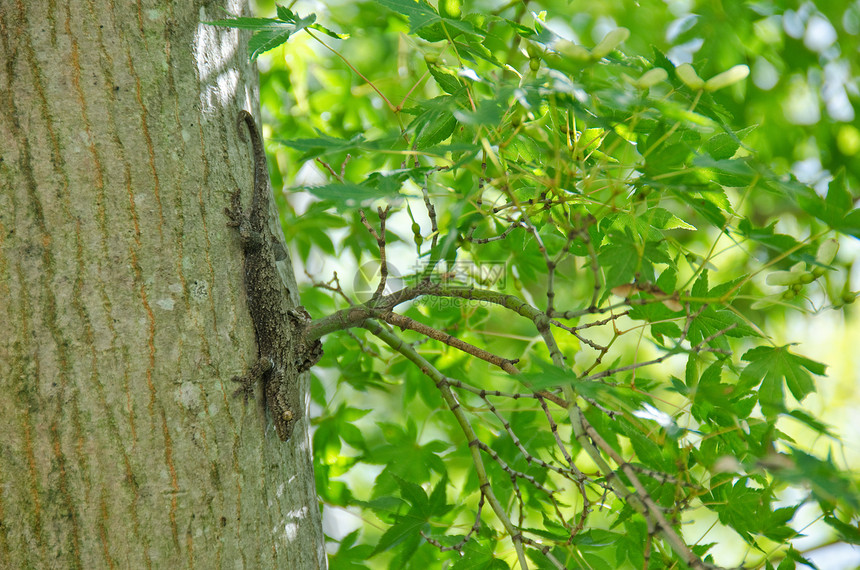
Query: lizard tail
[[260, 201], [256, 140]]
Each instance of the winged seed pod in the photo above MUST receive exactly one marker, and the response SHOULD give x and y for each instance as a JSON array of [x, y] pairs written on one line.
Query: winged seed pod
[[688, 75], [571, 50], [782, 278], [609, 42], [651, 77], [827, 251], [726, 78]]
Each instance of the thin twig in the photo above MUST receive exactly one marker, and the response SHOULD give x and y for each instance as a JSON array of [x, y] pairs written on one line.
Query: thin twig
[[441, 382]]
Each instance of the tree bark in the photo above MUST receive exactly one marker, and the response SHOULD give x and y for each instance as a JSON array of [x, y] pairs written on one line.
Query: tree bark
[[123, 304]]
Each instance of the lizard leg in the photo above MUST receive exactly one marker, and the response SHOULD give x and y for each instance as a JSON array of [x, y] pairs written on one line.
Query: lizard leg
[[234, 212], [260, 368], [252, 240], [236, 218]]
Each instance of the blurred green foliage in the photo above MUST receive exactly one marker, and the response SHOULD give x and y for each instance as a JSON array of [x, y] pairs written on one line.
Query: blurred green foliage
[[661, 213]]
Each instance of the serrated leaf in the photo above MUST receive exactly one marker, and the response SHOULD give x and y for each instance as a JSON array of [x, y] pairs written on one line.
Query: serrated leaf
[[835, 209], [325, 144], [776, 243], [344, 193], [812, 422], [717, 325], [420, 14], [488, 113], [619, 259], [447, 79], [828, 483], [265, 40], [665, 220], [847, 532], [244, 23], [551, 376], [770, 366], [414, 495], [436, 129], [269, 32], [478, 556], [407, 526], [729, 172], [437, 504], [725, 145]]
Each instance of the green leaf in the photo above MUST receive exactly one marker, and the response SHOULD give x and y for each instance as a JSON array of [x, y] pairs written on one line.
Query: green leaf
[[415, 496], [419, 13], [777, 244], [478, 556], [649, 453], [269, 33], [324, 144], [346, 194], [812, 422], [769, 366], [620, 259], [666, 220], [718, 325], [349, 556], [713, 399], [437, 505], [551, 376], [407, 526], [244, 23], [728, 172], [447, 79], [847, 532], [436, 128], [488, 113], [828, 483], [743, 508], [725, 145]]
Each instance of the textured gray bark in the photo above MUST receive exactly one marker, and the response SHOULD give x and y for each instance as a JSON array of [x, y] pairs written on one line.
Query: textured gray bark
[[123, 304]]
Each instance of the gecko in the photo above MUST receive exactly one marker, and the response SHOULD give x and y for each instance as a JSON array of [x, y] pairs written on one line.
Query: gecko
[[282, 352]]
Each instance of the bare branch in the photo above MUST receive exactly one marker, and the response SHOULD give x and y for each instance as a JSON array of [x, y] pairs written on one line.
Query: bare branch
[[431, 210], [407, 323], [442, 383], [380, 241]]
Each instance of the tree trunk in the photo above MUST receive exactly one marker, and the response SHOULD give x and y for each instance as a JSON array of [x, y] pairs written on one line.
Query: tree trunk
[[123, 303]]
